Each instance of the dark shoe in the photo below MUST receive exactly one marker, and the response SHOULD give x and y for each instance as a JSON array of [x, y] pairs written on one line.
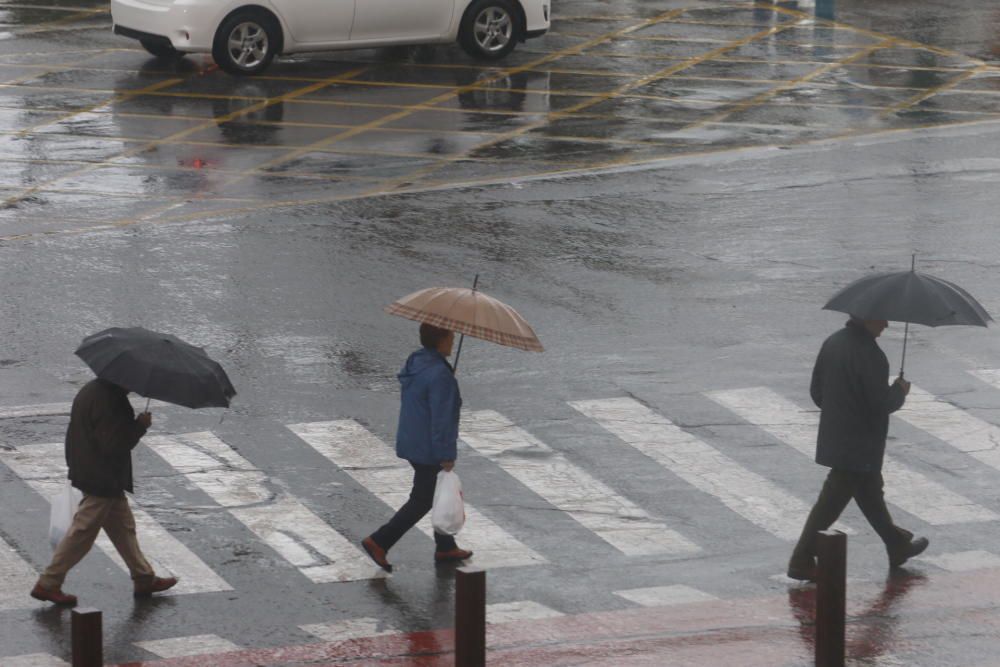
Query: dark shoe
[[903, 553], [376, 553], [451, 555], [55, 597], [802, 569], [154, 585]]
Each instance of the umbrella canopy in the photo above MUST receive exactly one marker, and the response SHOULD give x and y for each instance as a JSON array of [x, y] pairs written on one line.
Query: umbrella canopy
[[908, 296], [157, 365], [470, 312]]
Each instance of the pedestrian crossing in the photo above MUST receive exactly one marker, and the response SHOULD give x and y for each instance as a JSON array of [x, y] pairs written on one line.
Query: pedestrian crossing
[[527, 468]]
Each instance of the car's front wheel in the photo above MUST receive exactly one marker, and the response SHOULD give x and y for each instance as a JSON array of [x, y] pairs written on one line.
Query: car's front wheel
[[246, 42], [490, 29]]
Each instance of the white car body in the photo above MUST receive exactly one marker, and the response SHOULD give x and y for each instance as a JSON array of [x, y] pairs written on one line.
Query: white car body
[[311, 25]]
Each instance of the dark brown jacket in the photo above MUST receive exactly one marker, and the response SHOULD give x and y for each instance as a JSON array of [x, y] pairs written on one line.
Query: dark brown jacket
[[850, 386], [99, 440]]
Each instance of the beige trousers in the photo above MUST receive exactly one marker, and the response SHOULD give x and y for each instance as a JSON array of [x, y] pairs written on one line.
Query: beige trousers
[[93, 514]]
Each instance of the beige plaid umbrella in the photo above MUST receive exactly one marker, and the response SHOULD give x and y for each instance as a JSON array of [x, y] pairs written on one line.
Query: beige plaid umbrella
[[470, 312]]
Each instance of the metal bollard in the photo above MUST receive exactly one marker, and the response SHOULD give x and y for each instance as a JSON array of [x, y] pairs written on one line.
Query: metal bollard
[[470, 617], [87, 638], [831, 598]]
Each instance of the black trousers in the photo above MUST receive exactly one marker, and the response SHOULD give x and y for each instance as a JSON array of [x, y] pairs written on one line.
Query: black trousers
[[839, 488], [420, 502]]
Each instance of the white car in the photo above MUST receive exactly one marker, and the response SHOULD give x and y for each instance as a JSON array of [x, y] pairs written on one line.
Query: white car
[[244, 38]]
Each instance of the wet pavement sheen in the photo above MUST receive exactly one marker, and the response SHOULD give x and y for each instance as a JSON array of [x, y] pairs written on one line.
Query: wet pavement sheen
[[95, 125]]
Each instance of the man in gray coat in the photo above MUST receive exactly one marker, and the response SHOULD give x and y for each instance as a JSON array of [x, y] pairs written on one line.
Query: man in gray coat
[[850, 386]]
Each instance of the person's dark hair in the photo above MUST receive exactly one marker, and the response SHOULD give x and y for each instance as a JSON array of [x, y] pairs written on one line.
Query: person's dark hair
[[431, 335]]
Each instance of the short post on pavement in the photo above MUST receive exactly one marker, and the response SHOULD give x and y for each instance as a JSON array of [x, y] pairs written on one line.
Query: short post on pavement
[[87, 638], [470, 617], [831, 598]]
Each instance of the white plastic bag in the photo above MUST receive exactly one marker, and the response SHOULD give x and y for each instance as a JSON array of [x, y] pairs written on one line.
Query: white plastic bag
[[448, 513], [63, 510]]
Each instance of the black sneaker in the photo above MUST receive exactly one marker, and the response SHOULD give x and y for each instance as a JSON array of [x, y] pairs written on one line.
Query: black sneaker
[[802, 569], [904, 553]]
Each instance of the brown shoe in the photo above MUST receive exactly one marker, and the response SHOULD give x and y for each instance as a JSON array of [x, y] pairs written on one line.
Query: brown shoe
[[154, 585], [452, 555], [55, 597], [376, 553]]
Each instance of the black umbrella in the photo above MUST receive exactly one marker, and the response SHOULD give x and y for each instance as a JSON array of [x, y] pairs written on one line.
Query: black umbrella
[[908, 296], [157, 365]]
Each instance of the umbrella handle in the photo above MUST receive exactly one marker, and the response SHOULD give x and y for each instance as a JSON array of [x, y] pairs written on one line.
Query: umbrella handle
[[906, 335], [147, 405]]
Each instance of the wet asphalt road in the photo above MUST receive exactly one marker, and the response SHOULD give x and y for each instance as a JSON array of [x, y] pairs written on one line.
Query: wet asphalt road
[[271, 227]]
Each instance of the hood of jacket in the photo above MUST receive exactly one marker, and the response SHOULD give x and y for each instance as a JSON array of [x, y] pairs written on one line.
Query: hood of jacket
[[418, 362]]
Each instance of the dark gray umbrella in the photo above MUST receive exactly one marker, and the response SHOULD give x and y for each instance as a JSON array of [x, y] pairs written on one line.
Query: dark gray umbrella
[[908, 296], [157, 365]]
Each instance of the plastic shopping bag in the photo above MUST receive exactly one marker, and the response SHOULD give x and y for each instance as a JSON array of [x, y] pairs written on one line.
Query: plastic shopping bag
[[448, 513], [63, 510]]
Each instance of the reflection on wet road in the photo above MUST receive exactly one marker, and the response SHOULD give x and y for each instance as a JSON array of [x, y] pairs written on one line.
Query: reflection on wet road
[[96, 133]]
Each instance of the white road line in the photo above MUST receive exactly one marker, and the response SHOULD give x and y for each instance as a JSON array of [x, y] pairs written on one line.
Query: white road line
[[960, 429], [525, 610], [613, 518], [374, 465], [44, 410], [665, 596], [990, 376], [33, 660], [182, 647], [285, 524], [750, 495], [964, 561], [919, 495], [17, 576], [43, 468], [355, 628]]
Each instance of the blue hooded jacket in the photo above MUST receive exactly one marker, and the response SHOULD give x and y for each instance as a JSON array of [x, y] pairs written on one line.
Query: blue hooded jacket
[[429, 407]]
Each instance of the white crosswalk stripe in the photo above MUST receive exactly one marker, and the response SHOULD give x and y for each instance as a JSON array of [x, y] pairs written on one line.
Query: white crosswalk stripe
[[182, 647], [523, 610], [593, 504], [34, 660], [374, 465], [43, 468], [17, 576], [905, 488], [282, 522], [964, 561], [743, 491], [960, 429], [664, 596], [354, 628]]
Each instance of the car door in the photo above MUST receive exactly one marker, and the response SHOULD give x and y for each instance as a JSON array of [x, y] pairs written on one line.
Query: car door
[[318, 21], [402, 20]]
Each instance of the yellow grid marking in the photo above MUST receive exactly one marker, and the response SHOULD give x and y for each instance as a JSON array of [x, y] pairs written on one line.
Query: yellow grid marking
[[455, 91], [622, 91], [179, 135], [917, 99], [758, 99]]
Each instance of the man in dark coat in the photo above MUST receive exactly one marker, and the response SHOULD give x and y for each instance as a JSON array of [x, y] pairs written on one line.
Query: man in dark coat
[[427, 437], [850, 386], [103, 430]]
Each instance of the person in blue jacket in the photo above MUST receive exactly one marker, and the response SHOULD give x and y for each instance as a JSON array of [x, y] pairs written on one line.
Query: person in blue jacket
[[427, 437]]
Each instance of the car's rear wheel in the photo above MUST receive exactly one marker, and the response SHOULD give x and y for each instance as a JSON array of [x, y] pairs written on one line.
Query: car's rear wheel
[[246, 42], [160, 49], [490, 29]]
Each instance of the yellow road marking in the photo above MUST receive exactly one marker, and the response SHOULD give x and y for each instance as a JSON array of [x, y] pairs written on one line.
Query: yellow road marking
[[451, 94], [622, 91], [175, 137], [917, 99], [758, 99]]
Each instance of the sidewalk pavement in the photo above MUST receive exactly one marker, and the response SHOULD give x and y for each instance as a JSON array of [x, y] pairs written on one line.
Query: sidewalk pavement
[[910, 619]]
